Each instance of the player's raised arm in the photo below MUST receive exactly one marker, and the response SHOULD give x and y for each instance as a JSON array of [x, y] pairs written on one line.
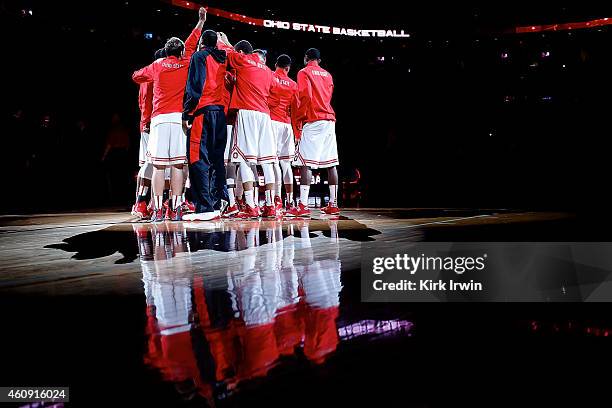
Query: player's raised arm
[[191, 44], [143, 75], [223, 39]]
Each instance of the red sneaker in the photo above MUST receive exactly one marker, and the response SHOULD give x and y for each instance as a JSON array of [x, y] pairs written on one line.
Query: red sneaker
[[157, 216], [230, 211], [249, 212], [140, 210], [278, 204], [176, 215], [269, 211], [188, 207], [241, 204], [330, 210], [168, 214], [298, 211]]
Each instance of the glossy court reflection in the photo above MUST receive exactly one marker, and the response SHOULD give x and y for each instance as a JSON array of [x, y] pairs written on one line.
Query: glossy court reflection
[[276, 301]]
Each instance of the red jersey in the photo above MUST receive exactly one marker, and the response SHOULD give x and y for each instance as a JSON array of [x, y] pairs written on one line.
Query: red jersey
[[283, 98], [169, 76], [145, 101], [253, 82], [230, 78], [315, 88]]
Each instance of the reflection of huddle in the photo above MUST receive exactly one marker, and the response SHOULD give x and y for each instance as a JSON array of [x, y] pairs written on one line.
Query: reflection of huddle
[[279, 301]]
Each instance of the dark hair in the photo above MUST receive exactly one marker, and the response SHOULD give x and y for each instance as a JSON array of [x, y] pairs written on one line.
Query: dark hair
[[174, 47], [161, 53], [313, 54], [209, 38], [283, 61], [244, 46]]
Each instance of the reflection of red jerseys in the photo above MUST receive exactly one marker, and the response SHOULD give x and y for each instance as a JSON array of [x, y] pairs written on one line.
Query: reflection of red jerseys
[[253, 82], [283, 98], [245, 351], [321, 333], [289, 329], [145, 102], [315, 88], [173, 355], [169, 76], [259, 351]]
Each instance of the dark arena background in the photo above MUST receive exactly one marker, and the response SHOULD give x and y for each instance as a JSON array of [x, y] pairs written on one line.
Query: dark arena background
[[482, 123]]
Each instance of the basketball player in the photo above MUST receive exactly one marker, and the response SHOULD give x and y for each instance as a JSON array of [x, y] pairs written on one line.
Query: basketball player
[[145, 102], [282, 102], [232, 177], [317, 148], [168, 142], [253, 140], [204, 123]]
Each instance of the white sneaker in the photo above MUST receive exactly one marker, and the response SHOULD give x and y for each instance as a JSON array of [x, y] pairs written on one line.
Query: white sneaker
[[207, 216]]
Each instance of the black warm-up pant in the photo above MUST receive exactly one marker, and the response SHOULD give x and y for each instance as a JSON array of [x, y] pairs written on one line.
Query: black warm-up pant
[[205, 148]]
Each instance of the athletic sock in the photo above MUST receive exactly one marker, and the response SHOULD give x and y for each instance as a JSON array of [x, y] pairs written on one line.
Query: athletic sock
[[255, 195], [333, 193], [142, 193], [159, 202], [289, 199], [176, 201], [304, 192], [269, 199], [248, 196], [231, 192]]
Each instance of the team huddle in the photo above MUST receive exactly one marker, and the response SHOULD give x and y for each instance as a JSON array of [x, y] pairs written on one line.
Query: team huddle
[[211, 112]]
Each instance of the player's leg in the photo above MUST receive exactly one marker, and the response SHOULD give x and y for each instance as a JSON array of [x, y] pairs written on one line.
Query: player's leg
[[140, 208], [256, 184], [143, 182], [287, 179], [230, 174], [286, 153], [157, 183], [157, 156], [200, 168], [305, 180], [248, 178], [278, 178], [277, 130], [332, 180], [329, 159], [177, 184], [188, 206], [216, 147], [177, 156], [244, 152], [270, 186], [301, 209], [239, 193], [268, 159]]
